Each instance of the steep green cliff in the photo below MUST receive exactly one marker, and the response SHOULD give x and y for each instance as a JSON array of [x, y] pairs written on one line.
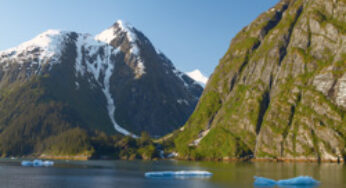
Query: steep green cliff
[[280, 90]]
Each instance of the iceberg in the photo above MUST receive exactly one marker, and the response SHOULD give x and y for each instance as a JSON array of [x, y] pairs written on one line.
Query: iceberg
[[261, 181], [27, 163], [37, 163], [300, 181], [178, 174]]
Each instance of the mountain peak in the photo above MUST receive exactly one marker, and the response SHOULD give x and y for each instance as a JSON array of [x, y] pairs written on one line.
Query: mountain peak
[[125, 26], [118, 30], [115, 31], [42, 40], [122, 34], [198, 77], [47, 44]]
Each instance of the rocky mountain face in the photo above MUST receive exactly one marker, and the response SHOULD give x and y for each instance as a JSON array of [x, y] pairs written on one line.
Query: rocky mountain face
[[280, 90], [151, 94], [116, 82]]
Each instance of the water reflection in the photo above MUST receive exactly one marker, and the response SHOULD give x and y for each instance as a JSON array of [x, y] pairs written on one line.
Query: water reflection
[[292, 186], [129, 174]]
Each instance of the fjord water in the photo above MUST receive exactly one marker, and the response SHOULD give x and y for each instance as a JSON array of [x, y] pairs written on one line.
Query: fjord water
[[129, 174]]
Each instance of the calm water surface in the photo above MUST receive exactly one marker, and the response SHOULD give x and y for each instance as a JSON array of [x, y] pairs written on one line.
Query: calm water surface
[[128, 174]]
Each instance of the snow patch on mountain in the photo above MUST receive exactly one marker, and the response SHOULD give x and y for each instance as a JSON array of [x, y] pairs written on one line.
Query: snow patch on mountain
[[140, 69], [110, 101], [117, 30], [198, 77], [107, 35], [128, 29], [183, 101], [89, 59], [180, 76], [92, 57], [46, 45]]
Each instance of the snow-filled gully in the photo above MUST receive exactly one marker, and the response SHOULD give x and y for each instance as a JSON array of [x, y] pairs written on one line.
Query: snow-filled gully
[[110, 101], [89, 47]]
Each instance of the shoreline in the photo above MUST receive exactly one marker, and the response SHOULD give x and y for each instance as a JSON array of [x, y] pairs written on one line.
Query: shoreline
[[83, 157], [279, 160], [65, 157], [221, 161]]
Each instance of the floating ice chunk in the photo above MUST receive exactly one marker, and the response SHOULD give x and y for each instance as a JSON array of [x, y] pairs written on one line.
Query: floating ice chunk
[[260, 181], [37, 163], [27, 163], [48, 163], [297, 181], [301, 180], [162, 154], [177, 174]]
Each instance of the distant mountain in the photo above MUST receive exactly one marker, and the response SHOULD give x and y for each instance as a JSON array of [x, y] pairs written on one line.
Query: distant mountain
[[116, 82], [198, 77], [279, 92]]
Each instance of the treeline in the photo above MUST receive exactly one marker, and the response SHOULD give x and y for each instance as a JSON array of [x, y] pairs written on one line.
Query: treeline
[[123, 147], [34, 123], [92, 145]]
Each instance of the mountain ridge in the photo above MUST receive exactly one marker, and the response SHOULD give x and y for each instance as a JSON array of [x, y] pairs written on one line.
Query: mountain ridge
[[276, 92]]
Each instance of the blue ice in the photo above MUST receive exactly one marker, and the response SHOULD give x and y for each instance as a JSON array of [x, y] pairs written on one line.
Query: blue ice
[[300, 181], [178, 174], [37, 163]]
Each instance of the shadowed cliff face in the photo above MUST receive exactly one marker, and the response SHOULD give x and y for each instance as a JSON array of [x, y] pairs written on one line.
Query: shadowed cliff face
[[151, 94], [279, 92]]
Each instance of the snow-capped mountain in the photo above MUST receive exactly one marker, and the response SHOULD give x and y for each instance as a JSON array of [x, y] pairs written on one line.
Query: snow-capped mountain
[[113, 82], [198, 77], [44, 46]]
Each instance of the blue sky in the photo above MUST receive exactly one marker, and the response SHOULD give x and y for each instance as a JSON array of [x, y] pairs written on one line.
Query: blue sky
[[194, 34]]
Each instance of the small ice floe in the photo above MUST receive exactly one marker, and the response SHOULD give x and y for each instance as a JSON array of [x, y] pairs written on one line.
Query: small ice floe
[[260, 181], [300, 181], [179, 174], [162, 154], [37, 163], [172, 155]]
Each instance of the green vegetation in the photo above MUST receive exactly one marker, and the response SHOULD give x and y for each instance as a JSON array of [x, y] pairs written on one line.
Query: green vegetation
[[221, 144], [274, 99], [76, 142], [69, 143], [40, 118], [261, 101], [206, 109], [322, 17]]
